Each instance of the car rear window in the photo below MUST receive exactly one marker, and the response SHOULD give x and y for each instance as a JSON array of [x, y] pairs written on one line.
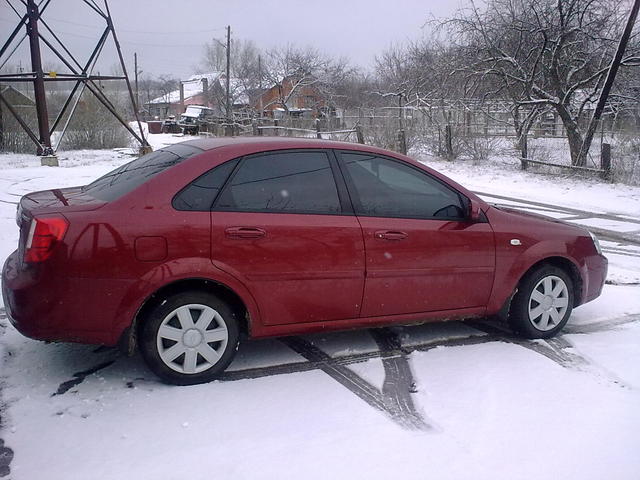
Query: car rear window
[[128, 177]]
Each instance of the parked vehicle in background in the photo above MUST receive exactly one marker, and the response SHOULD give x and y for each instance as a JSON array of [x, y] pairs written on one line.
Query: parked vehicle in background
[[181, 251], [194, 118], [170, 125]]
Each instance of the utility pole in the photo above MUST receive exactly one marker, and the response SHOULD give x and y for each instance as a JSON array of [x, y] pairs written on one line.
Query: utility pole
[[229, 113], [44, 149], [135, 66], [608, 83]]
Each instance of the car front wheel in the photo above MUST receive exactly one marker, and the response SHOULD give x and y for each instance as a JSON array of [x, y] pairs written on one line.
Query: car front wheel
[[543, 303], [189, 338]]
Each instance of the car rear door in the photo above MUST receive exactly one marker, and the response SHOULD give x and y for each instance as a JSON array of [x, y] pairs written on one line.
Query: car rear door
[[422, 254], [283, 227]]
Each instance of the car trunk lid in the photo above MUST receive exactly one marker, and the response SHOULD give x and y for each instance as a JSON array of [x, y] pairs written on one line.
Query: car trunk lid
[[47, 203]]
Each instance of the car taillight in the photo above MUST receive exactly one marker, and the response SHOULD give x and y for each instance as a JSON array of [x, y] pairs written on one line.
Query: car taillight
[[44, 233]]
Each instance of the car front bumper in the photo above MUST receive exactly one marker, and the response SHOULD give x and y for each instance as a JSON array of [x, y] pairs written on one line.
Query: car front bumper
[[596, 269]]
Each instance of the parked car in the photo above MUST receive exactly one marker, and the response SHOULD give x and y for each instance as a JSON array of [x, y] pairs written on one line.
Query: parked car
[[181, 251], [196, 118]]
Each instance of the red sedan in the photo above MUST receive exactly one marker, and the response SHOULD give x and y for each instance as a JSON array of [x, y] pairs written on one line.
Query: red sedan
[[182, 250]]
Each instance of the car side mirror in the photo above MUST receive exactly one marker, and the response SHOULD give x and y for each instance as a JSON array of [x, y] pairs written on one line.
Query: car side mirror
[[474, 211]]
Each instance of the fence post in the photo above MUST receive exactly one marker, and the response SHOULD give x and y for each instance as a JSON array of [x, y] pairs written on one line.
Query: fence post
[[318, 134], [401, 142], [228, 129], [605, 161], [524, 150], [276, 132], [359, 134], [448, 142], [254, 128]]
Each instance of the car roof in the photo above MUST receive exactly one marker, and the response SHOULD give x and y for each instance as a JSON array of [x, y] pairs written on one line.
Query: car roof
[[249, 145], [277, 143]]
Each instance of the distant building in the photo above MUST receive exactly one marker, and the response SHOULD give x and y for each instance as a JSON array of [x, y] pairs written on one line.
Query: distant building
[[206, 89]]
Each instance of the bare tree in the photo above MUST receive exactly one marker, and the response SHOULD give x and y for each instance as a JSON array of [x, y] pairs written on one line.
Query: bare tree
[[154, 87], [246, 69], [292, 69], [546, 53], [420, 75]]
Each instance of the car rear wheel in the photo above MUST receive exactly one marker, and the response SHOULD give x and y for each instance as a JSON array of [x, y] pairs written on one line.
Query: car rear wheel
[[189, 338], [543, 303]]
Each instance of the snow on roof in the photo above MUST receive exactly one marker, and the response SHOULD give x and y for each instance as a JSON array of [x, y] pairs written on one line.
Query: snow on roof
[[193, 86], [292, 109]]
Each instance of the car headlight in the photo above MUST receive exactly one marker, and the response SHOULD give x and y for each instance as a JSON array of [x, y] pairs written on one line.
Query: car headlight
[[596, 243]]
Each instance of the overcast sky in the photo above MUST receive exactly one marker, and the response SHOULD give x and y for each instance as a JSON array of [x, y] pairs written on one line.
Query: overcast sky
[[168, 36]]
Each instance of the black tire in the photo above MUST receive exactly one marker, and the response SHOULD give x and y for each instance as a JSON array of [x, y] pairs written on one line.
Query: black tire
[[166, 315], [520, 319]]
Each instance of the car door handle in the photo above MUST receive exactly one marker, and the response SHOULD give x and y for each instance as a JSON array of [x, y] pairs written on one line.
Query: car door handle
[[245, 232], [390, 235]]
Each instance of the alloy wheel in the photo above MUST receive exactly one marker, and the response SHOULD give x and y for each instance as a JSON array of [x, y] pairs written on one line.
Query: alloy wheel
[[548, 303], [192, 338]]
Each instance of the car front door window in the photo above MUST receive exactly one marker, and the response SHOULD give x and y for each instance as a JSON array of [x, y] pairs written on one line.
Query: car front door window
[[387, 188]]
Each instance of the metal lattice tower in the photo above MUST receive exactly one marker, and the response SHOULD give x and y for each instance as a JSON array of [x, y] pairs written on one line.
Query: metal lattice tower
[[80, 73]]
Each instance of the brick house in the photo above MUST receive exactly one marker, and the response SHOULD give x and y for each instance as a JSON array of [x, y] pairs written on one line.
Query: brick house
[[301, 98]]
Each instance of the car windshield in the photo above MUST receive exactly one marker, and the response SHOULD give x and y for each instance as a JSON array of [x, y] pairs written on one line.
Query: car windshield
[[126, 178]]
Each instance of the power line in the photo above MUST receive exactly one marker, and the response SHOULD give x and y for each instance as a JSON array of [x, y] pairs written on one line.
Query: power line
[[150, 32], [142, 44]]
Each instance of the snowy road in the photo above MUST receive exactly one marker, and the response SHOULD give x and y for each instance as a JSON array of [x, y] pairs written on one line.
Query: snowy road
[[448, 401], [370, 403], [610, 226]]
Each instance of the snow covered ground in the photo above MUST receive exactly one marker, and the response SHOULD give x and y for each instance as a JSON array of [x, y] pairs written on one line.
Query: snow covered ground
[[446, 401]]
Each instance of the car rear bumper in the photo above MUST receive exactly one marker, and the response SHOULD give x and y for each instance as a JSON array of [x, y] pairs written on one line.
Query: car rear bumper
[[44, 307]]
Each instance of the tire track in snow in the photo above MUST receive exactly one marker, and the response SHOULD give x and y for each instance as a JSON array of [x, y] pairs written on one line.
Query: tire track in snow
[[399, 382], [603, 325], [392, 403], [298, 367], [64, 387], [559, 349]]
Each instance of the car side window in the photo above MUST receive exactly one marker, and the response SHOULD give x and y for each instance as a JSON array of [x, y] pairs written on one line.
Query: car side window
[[200, 194], [387, 188], [285, 182]]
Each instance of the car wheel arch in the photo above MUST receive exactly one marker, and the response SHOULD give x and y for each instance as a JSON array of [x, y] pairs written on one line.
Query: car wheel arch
[[500, 305], [563, 263], [245, 313]]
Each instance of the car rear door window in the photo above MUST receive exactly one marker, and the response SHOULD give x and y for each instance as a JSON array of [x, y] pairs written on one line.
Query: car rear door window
[[285, 182], [200, 194], [388, 188]]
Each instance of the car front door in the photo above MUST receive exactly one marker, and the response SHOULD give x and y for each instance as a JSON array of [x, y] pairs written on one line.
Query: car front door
[[422, 254], [281, 226]]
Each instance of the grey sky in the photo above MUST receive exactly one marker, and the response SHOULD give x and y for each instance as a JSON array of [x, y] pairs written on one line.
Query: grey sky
[[168, 36]]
